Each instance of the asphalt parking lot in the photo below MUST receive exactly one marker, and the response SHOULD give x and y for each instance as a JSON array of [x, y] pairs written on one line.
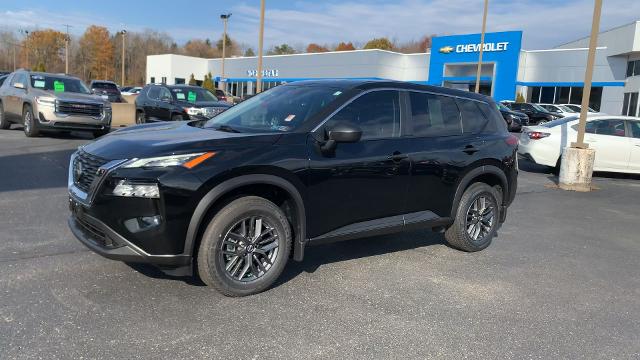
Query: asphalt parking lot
[[562, 280]]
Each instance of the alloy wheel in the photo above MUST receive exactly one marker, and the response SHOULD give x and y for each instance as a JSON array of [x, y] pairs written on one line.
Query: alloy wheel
[[480, 218], [249, 248], [27, 122]]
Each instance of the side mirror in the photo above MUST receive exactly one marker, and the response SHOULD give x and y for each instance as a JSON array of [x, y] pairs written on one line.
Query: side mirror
[[340, 133], [18, 85], [345, 133]]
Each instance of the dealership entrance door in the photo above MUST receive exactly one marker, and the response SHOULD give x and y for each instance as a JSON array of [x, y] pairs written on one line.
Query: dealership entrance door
[[462, 76]]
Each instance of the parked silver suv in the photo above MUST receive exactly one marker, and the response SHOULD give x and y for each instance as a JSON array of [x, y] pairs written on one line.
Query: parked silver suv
[[58, 102]]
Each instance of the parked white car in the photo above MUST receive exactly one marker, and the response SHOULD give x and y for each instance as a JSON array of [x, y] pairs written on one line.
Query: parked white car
[[133, 91], [558, 109], [616, 140]]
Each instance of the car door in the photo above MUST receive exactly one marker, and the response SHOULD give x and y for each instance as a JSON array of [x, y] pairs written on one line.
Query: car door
[[14, 105], [164, 105], [634, 157], [148, 102], [608, 138], [362, 181], [438, 154]]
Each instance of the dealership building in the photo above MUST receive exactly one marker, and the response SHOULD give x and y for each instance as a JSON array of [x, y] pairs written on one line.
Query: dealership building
[[547, 76]]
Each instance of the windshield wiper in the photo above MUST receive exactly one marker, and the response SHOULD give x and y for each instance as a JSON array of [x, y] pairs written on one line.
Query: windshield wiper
[[226, 128]]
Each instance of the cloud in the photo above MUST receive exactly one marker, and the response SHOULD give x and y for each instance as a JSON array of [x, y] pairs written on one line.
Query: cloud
[[545, 23]]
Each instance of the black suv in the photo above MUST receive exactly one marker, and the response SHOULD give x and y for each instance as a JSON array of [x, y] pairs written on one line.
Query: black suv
[[535, 112], [515, 120], [108, 90], [234, 197], [157, 102]]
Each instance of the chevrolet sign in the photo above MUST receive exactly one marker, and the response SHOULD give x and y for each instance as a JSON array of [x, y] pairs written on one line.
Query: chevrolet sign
[[446, 49], [470, 48]]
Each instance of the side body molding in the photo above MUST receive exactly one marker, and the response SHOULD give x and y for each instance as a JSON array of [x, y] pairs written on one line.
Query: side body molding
[[221, 189]]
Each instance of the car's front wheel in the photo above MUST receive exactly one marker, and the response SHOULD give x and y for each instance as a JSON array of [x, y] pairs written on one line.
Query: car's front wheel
[[476, 219], [140, 118], [245, 247], [29, 123]]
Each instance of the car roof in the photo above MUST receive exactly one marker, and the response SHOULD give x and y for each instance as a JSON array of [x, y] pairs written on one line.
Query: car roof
[[368, 84], [103, 81]]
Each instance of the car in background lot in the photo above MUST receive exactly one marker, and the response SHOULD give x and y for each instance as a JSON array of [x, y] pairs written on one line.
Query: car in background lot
[[134, 90], [303, 163], [616, 140], [107, 89], [223, 95], [558, 109], [159, 102], [515, 120], [52, 102], [3, 78], [577, 108], [536, 114]]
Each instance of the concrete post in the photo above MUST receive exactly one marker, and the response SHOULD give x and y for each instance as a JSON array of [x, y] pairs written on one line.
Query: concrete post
[[576, 169]]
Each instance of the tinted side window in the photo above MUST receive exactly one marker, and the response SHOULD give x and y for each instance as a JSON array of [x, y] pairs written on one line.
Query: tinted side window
[[153, 93], [164, 93], [496, 121], [377, 113], [19, 78], [473, 120], [606, 127], [434, 115], [635, 129]]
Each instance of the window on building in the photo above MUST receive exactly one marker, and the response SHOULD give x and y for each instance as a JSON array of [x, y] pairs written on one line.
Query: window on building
[[595, 98], [153, 80], [434, 115], [565, 95], [376, 113], [164, 79], [546, 94], [631, 108], [535, 94], [633, 68], [179, 81], [562, 95]]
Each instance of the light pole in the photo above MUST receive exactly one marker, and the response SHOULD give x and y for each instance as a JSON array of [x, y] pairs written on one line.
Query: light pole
[[123, 33], [225, 18], [484, 27], [67, 39], [260, 43], [576, 166], [26, 47]]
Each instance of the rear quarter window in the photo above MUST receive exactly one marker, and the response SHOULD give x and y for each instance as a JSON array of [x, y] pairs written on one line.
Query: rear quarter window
[[473, 120], [434, 115]]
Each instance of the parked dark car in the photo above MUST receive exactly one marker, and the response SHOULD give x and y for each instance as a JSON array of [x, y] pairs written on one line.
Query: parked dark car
[[515, 120], [232, 198], [536, 113], [159, 102], [107, 89]]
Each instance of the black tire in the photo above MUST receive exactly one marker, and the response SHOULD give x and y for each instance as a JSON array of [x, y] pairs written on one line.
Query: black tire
[[30, 124], [99, 133], [218, 248], [458, 234], [140, 119], [177, 117], [4, 123]]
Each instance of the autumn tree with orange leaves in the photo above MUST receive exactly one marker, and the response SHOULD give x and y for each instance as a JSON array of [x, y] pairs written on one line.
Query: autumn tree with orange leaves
[[97, 51], [345, 46], [315, 48], [44, 49]]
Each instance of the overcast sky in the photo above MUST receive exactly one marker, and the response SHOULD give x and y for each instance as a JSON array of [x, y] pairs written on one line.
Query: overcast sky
[[545, 23]]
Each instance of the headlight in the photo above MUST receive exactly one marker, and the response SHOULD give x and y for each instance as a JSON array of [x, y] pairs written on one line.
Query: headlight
[[132, 189], [46, 101], [193, 111], [188, 161]]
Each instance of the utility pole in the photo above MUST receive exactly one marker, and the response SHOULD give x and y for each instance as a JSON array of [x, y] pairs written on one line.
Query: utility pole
[[576, 167], [122, 78], [260, 43], [66, 50], [26, 48], [225, 19], [484, 27], [14, 57]]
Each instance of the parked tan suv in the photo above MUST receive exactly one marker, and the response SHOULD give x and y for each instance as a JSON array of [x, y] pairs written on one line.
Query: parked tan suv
[[52, 102]]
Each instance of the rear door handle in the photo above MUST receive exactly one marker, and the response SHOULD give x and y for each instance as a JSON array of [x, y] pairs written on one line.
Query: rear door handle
[[470, 149], [397, 156]]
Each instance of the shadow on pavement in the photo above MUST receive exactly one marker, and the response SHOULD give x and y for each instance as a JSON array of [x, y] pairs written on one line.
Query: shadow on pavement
[[30, 171]]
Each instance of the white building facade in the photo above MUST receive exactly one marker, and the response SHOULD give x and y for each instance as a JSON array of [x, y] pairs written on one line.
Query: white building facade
[[547, 76]]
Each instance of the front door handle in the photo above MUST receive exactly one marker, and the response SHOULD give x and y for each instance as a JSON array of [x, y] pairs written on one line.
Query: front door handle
[[397, 156], [470, 149]]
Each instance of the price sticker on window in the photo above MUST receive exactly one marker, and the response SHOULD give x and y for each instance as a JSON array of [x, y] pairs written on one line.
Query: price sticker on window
[[58, 86], [38, 84], [180, 96], [191, 97]]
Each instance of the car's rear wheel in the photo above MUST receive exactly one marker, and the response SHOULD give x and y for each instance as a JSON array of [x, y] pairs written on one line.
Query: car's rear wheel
[[245, 247], [140, 119], [29, 123], [477, 218], [4, 123]]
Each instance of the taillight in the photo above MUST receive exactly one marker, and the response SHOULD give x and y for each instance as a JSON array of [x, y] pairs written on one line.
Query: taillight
[[537, 135], [511, 140]]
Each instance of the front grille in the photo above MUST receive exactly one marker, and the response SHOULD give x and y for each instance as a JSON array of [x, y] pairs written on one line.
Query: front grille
[[79, 108], [85, 169]]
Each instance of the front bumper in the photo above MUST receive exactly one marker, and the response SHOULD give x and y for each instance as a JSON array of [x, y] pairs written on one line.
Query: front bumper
[[103, 240]]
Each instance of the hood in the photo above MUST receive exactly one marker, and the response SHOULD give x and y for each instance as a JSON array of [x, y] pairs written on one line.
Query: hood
[[70, 96], [201, 104], [166, 138]]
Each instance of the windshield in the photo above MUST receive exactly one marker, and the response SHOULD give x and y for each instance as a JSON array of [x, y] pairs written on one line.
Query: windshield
[[565, 109], [502, 107], [560, 121], [538, 107], [58, 84], [192, 94], [280, 109], [102, 85]]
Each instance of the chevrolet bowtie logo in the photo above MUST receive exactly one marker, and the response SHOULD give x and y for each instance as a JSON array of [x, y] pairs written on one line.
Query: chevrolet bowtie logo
[[446, 49]]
